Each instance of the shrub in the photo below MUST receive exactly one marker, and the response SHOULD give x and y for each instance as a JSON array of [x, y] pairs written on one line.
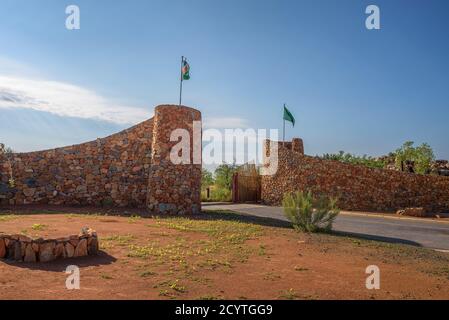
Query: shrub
[[217, 194], [7, 153], [308, 214], [206, 178], [422, 156], [354, 159], [223, 175]]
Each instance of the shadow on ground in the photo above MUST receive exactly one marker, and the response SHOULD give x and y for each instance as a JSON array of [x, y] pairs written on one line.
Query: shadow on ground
[[60, 265], [271, 222], [375, 238]]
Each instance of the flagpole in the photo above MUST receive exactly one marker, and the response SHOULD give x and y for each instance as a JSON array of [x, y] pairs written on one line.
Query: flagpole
[[283, 131], [180, 86], [283, 135]]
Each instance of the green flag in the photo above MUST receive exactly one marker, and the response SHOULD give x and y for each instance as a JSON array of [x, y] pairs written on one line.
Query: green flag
[[288, 116], [185, 70]]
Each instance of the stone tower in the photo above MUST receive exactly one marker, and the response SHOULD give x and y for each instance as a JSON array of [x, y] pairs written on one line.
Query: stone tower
[[175, 188]]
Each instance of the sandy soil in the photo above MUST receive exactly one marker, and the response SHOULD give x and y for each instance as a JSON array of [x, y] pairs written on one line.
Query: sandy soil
[[215, 257]]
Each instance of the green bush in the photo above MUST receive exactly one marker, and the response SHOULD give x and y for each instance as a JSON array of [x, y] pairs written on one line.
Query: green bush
[[217, 194], [308, 214], [223, 175], [354, 159], [207, 178], [422, 156], [7, 154]]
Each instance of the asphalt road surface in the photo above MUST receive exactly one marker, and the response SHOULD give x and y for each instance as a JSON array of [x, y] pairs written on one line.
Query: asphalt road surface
[[426, 233]]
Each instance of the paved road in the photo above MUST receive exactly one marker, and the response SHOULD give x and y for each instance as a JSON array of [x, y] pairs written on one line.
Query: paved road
[[425, 233]]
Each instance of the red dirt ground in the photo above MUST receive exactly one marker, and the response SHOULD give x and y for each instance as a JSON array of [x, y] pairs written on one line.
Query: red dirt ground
[[214, 257]]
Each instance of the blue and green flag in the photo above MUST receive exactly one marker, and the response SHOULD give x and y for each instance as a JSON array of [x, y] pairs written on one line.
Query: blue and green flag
[[185, 70]]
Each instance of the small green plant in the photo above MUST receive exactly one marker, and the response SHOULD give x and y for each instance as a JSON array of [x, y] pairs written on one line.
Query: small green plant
[[164, 293], [308, 214], [298, 268], [38, 227], [7, 217], [289, 294], [147, 273], [134, 218], [262, 250], [176, 287], [7, 153], [210, 297]]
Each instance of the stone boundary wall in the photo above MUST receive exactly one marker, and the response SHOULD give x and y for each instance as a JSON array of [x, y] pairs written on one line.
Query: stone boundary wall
[[23, 248], [357, 187], [126, 169]]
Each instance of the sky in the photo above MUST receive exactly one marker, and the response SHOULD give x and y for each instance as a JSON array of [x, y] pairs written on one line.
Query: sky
[[349, 88]]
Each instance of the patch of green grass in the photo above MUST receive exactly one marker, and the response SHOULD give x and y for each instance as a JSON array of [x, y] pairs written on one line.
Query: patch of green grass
[[39, 227], [170, 288], [147, 273], [164, 293], [210, 297], [7, 217], [85, 215], [298, 268], [442, 271], [120, 240], [134, 219], [271, 276], [289, 294], [177, 287], [222, 243]]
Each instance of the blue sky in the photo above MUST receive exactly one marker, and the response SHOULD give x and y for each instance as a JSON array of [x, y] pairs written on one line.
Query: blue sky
[[353, 89]]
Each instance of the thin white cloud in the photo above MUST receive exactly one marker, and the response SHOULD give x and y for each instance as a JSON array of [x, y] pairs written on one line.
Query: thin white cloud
[[65, 99]]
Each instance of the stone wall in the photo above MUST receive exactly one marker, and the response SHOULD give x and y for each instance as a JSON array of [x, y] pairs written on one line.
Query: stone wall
[[175, 188], [23, 248], [127, 169], [357, 187]]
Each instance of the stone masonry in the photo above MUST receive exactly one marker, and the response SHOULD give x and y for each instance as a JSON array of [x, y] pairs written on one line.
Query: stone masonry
[[127, 169], [357, 187], [23, 248]]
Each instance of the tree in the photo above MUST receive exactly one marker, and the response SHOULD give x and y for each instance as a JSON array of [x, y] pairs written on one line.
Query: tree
[[206, 178], [223, 175], [7, 152], [421, 156]]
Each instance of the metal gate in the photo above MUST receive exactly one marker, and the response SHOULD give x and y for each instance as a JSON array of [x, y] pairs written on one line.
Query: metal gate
[[246, 184]]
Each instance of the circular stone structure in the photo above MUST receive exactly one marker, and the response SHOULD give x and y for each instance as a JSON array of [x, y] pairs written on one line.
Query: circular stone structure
[[26, 249]]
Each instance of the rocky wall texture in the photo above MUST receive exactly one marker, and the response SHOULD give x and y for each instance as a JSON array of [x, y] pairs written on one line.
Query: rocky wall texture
[[182, 180], [23, 248], [357, 187], [127, 169]]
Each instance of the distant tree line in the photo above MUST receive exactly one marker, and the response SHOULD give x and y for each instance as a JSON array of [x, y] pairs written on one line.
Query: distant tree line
[[410, 158]]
